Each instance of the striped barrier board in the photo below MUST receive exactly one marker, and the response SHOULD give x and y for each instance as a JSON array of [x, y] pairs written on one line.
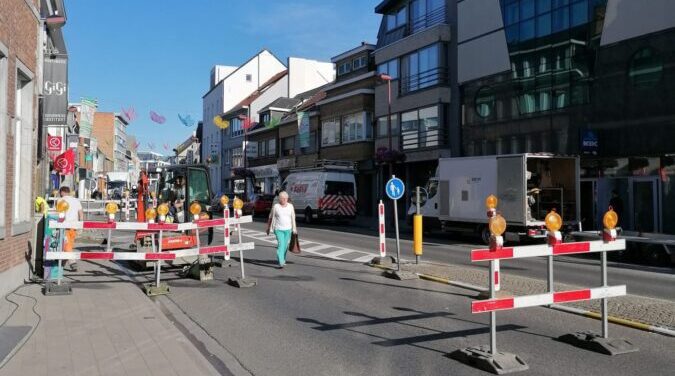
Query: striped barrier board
[[135, 256], [383, 237], [501, 304], [546, 250], [144, 226]]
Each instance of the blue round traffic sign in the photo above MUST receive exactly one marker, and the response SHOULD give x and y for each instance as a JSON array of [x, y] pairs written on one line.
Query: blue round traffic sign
[[395, 188]]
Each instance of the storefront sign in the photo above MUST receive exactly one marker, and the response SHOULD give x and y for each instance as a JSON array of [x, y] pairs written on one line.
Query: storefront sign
[[303, 129], [55, 91], [589, 142], [87, 112], [54, 143]]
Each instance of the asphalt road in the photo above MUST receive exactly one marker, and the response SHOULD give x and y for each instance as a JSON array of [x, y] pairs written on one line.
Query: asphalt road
[[576, 270], [327, 317]]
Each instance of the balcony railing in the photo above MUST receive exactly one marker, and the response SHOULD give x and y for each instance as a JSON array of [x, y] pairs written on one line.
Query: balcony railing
[[431, 18], [422, 138], [423, 80]]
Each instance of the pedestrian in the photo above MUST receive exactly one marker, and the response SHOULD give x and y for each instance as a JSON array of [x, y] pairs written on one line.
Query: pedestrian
[[73, 214], [282, 222]]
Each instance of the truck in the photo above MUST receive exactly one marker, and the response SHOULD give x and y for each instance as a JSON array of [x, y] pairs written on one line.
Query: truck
[[528, 186], [117, 182], [326, 191]]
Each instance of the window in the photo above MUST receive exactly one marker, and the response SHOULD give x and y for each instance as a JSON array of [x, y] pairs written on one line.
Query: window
[[389, 68], [262, 148], [485, 102], [344, 68], [249, 77], [646, 68], [3, 135], [272, 147], [330, 132], [428, 123], [420, 128], [198, 186], [236, 127], [360, 62], [265, 118], [580, 13], [356, 127], [23, 168], [288, 146], [409, 121], [397, 19], [383, 126], [421, 69], [237, 160], [426, 13]]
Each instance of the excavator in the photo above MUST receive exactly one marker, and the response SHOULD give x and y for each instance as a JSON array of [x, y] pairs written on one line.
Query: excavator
[[178, 186]]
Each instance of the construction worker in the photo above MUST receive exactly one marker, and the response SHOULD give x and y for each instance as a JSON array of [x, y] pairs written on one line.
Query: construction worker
[[74, 214]]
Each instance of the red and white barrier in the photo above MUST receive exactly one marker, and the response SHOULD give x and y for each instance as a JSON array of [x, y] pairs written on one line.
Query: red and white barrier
[[226, 235], [546, 299], [151, 256], [546, 250], [144, 226], [383, 237]]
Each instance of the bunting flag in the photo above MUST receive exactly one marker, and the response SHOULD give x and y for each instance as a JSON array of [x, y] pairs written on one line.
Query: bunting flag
[[65, 163], [157, 118], [129, 113], [151, 146], [166, 147], [186, 120], [246, 122], [220, 122], [136, 145]]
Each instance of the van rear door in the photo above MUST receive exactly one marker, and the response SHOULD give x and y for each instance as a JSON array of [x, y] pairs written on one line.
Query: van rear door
[[511, 186]]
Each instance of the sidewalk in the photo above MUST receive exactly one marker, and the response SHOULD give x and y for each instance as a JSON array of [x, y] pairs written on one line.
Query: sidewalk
[[106, 327], [631, 307]]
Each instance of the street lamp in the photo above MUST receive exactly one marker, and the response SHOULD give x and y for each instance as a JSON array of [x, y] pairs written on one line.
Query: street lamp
[[386, 77]]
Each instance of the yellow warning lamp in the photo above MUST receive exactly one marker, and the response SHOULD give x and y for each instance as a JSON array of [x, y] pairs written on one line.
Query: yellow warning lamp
[[111, 208], [497, 225], [150, 215], [224, 200], [491, 202], [553, 221], [195, 209], [62, 207], [610, 219], [238, 203], [162, 210]]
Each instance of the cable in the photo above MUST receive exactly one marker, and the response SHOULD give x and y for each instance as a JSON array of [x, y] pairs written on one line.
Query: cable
[[32, 331]]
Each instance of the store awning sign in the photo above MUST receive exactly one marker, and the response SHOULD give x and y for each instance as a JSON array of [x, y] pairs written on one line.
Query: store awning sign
[[589, 142]]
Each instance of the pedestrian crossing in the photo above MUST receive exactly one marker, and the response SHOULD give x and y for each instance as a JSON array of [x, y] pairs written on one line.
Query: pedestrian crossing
[[316, 248]]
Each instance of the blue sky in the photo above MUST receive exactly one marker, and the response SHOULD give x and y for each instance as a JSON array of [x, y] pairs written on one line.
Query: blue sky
[[157, 54]]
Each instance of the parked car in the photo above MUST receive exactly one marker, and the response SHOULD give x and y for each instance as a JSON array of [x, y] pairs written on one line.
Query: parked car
[[261, 205]]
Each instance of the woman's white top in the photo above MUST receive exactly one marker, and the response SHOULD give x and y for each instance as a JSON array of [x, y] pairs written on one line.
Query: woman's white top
[[284, 217]]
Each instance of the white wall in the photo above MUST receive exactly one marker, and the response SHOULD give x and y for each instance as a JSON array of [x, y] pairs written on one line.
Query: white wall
[[305, 74], [626, 19], [218, 72], [278, 89]]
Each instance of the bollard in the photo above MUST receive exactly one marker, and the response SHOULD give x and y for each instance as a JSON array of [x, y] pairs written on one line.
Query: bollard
[[382, 259], [417, 228]]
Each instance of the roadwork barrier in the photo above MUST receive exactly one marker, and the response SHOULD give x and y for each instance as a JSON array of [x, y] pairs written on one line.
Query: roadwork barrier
[[488, 358], [157, 255]]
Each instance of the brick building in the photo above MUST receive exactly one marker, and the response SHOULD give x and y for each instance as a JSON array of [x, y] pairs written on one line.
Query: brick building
[[110, 132], [20, 60]]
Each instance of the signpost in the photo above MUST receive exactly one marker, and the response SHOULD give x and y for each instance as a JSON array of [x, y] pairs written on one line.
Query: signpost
[[395, 189]]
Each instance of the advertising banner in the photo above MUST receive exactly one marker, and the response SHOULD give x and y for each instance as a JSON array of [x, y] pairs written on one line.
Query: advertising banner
[[55, 91], [303, 129], [87, 116]]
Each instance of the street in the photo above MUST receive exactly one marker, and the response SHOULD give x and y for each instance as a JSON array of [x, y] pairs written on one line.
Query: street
[[323, 316]]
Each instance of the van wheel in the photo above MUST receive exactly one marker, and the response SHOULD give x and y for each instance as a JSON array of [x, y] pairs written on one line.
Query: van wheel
[[308, 216], [484, 232]]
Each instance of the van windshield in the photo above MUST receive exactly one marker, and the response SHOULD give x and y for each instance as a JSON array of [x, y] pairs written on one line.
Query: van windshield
[[339, 188]]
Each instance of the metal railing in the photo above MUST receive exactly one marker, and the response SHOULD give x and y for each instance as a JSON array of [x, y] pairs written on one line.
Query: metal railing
[[423, 80], [431, 18], [422, 138]]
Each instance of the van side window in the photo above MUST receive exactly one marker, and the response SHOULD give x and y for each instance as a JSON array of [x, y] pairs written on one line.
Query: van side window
[[339, 187]]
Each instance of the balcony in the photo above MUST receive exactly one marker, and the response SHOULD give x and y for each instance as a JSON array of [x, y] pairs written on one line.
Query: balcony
[[431, 18], [430, 78], [422, 139]]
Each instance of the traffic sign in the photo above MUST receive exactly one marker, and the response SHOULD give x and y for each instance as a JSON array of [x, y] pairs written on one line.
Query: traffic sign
[[395, 188]]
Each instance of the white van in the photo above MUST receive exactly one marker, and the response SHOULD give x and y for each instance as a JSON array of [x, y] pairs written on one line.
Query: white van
[[322, 193]]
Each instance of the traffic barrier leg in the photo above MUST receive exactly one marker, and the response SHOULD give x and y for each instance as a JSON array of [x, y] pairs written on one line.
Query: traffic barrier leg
[[382, 246], [59, 287], [158, 288], [241, 282], [600, 343]]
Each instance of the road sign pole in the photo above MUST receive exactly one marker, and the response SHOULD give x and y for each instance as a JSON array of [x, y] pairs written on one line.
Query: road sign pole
[[398, 244], [395, 189]]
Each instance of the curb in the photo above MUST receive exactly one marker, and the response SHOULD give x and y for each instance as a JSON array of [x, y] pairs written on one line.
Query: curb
[[581, 312]]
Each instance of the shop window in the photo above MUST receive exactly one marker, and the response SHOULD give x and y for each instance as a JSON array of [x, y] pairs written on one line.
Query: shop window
[[646, 68]]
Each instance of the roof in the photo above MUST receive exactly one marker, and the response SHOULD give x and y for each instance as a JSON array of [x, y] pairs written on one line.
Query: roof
[[256, 93], [239, 67], [363, 47], [381, 7], [282, 103]]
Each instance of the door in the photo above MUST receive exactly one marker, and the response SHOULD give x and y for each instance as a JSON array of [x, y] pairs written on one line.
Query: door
[[645, 204], [589, 208]]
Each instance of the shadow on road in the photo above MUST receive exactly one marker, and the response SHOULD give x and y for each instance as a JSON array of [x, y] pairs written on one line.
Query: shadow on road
[[407, 287]]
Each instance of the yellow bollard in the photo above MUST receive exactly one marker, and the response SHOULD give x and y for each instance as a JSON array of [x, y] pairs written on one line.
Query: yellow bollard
[[417, 234]]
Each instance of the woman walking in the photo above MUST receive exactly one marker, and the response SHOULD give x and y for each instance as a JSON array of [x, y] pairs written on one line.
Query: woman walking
[[282, 222]]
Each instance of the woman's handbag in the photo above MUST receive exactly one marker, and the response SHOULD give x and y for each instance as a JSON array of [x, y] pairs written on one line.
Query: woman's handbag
[[294, 245]]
